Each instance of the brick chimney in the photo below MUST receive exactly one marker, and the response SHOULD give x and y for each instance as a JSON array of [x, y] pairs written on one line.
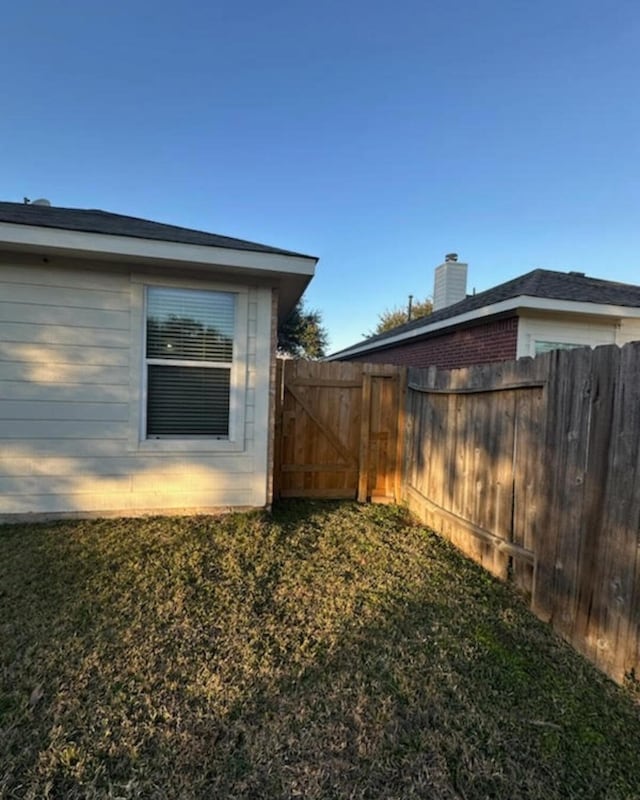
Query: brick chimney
[[450, 283]]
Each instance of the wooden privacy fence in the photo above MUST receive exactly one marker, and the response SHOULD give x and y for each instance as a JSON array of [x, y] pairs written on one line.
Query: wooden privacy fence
[[532, 468], [473, 453], [337, 430]]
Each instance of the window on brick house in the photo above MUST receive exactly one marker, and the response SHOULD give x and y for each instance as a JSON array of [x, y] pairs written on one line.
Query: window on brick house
[[545, 347]]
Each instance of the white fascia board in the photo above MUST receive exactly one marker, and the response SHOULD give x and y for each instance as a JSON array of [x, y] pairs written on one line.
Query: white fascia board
[[512, 304], [99, 245]]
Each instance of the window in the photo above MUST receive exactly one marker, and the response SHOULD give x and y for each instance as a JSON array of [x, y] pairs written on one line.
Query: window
[[188, 361], [545, 347]]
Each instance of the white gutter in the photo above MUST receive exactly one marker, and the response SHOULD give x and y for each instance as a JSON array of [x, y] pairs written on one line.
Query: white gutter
[[512, 304]]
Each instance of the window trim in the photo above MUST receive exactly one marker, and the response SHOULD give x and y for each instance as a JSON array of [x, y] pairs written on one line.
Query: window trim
[[235, 442]]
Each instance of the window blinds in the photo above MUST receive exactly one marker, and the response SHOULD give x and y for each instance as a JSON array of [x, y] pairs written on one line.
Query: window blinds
[[189, 352]]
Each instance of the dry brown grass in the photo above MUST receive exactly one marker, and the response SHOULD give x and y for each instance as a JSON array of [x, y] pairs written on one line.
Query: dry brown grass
[[329, 651]]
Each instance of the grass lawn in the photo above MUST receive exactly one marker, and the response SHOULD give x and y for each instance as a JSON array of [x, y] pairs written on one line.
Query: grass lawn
[[330, 651]]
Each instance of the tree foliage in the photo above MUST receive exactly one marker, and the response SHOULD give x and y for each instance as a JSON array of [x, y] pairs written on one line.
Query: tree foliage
[[302, 334], [392, 317]]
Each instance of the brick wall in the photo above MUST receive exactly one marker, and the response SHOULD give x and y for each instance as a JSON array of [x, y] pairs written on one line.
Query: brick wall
[[491, 341]]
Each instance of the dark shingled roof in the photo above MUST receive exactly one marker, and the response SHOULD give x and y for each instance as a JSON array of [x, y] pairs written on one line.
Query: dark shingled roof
[[538, 283], [95, 221]]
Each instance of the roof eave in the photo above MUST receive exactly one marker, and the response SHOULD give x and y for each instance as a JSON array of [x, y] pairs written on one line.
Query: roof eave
[[290, 273], [512, 304]]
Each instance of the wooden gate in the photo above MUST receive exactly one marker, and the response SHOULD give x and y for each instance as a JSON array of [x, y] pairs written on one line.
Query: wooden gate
[[337, 426]]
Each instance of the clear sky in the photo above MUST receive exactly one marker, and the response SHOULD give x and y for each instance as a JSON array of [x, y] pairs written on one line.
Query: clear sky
[[376, 135]]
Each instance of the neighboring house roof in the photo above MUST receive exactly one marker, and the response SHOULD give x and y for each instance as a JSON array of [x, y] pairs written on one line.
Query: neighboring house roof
[[546, 285], [90, 233]]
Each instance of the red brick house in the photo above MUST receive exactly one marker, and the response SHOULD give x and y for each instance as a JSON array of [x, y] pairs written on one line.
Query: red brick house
[[539, 311]]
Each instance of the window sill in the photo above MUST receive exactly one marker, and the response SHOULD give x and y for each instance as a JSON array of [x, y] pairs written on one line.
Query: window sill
[[166, 445]]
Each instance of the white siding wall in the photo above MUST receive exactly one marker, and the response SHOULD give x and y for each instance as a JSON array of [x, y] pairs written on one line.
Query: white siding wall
[[567, 330], [629, 331], [70, 379]]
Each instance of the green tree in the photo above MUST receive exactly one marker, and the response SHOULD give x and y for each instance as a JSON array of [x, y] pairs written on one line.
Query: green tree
[[392, 317], [302, 334]]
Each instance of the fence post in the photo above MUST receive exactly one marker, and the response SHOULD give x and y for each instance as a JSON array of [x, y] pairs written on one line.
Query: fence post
[[365, 430]]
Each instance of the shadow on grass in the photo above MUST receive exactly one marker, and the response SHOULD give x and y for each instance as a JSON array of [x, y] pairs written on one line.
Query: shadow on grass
[[330, 651]]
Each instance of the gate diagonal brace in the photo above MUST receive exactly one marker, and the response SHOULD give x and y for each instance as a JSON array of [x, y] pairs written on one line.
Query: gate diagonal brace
[[348, 457]]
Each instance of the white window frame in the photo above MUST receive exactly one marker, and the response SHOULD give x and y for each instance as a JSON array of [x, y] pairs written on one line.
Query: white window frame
[[235, 442], [556, 345]]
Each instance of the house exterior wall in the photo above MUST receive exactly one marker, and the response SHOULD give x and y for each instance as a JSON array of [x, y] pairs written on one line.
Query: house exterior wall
[[567, 329], [480, 344], [628, 331], [505, 339], [71, 378], [273, 389]]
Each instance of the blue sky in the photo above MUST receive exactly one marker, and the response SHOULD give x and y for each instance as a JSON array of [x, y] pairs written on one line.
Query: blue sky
[[375, 135]]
